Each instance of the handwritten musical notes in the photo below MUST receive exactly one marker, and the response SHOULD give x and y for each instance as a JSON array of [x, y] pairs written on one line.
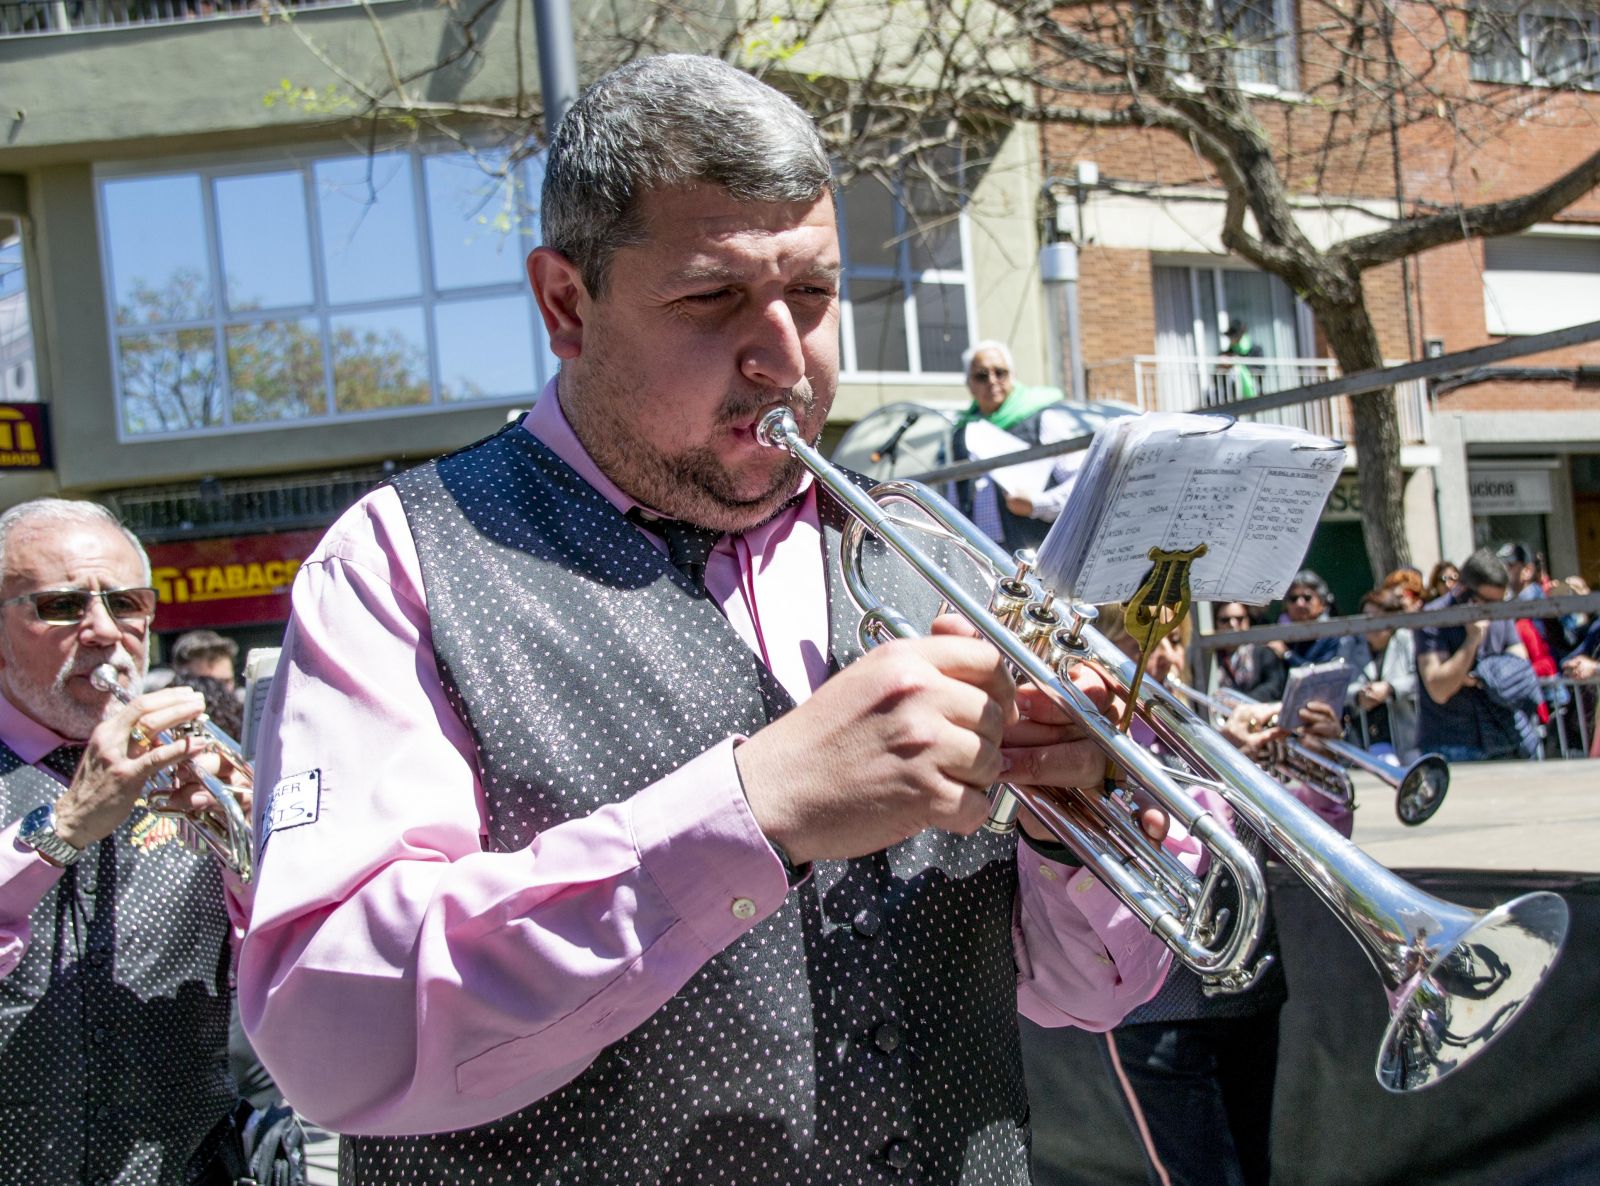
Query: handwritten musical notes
[[1251, 492]]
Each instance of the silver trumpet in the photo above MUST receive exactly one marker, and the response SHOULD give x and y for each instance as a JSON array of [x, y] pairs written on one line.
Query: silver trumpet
[[223, 828], [1420, 788], [1455, 977]]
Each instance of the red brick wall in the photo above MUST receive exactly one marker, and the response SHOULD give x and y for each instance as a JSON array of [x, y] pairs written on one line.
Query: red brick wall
[[1509, 141]]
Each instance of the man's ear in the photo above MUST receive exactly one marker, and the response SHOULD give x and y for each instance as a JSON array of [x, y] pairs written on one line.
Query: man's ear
[[559, 289]]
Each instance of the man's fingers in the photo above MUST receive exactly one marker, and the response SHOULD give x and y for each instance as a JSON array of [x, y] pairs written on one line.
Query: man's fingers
[[1065, 764]]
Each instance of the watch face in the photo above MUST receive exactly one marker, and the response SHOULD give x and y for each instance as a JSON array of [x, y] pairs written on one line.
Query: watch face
[[38, 831]]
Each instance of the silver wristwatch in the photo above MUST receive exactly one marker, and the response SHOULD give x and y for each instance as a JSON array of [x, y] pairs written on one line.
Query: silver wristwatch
[[38, 832]]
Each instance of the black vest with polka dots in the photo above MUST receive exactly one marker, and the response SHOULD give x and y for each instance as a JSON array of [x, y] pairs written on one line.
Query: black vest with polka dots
[[866, 1032], [114, 1025]]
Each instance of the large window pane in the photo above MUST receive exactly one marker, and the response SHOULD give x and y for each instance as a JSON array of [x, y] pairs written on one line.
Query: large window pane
[[380, 360], [869, 225], [156, 236], [265, 244], [275, 371], [369, 228], [169, 381], [485, 349], [879, 313], [941, 325], [933, 201], [475, 223]]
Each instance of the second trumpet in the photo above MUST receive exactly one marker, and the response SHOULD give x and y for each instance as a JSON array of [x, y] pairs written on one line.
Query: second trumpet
[[224, 829]]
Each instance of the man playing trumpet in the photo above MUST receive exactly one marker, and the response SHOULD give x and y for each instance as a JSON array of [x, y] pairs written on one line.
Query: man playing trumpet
[[581, 852], [114, 937]]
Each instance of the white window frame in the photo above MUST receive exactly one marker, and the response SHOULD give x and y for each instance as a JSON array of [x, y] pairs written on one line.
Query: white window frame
[[849, 372], [1528, 17], [1285, 52], [428, 298], [1521, 301]]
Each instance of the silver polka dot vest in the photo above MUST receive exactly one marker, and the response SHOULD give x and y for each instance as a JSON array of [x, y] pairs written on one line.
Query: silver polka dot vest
[[865, 1033], [114, 1026]]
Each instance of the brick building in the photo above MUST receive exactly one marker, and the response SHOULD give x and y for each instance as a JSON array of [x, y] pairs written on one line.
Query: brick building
[[1507, 454]]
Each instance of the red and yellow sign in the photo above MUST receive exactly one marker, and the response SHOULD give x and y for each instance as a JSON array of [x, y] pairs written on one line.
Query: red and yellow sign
[[242, 580], [24, 437]]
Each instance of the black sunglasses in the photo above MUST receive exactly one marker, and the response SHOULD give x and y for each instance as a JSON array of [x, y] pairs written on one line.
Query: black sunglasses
[[982, 376], [1298, 597], [68, 607]]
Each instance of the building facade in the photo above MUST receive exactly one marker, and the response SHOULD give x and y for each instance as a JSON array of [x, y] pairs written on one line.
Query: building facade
[[241, 308], [1508, 453]]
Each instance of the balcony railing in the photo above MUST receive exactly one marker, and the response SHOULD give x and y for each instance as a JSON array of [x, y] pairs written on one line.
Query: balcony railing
[[1194, 383], [30, 18]]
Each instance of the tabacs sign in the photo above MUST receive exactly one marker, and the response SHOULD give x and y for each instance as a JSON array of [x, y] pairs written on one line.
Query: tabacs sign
[[24, 437], [241, 580]]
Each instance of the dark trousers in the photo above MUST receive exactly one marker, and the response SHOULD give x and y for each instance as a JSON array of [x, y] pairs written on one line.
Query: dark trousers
[[1201, 1096]]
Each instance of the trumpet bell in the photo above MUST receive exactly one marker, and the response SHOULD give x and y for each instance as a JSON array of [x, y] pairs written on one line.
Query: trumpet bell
[[1470, 993], [1421, 792]]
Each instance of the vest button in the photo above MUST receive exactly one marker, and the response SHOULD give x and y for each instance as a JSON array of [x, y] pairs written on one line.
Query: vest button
[[898, 1154], [744, 908], [867, 922], [887, 1037]]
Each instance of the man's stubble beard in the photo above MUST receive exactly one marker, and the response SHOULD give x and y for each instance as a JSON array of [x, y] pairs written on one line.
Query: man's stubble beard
[[693, 485], [53, 706]]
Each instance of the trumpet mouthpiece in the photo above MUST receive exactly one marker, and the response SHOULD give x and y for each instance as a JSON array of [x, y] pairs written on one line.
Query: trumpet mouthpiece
[[104, 678]]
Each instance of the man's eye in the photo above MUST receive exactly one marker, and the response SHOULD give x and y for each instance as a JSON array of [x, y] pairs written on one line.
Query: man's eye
[[708, 298], [62, 607]]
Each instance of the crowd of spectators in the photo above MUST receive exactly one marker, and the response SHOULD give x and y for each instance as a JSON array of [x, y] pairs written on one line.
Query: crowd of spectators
[[1510, 688]]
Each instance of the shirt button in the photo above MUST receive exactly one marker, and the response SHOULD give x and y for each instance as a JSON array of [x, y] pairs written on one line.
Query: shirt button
[[867, 922], [898, 1154], [887, 1038], [100, 1035], [744, 908], [102, 1113]]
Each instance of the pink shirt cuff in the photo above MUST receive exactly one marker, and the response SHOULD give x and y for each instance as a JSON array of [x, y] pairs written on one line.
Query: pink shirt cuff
[[705, 852]]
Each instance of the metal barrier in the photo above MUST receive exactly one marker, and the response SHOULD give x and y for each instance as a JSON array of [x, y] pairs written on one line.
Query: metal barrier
[[1574, 689]]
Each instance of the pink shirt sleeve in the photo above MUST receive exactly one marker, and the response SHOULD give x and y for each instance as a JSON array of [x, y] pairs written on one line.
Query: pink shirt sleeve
[[396, 977], [25, 878]]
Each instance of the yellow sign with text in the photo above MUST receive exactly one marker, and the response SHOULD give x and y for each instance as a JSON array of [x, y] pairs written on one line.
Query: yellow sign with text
[[222, 582]]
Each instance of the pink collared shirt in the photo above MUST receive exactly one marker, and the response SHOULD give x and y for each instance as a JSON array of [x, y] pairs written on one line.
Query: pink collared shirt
[[399, 979], [25, 876]]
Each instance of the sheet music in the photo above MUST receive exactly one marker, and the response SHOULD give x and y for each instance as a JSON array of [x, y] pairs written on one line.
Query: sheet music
[[1031, 478], [260, 665], [1252, 493]]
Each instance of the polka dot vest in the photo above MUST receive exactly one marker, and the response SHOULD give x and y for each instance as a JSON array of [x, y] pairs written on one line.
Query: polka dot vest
[[865, 1033], [114, 1026]]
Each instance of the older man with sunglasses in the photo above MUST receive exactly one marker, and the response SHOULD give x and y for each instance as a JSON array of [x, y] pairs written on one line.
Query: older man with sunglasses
[[114, 936]]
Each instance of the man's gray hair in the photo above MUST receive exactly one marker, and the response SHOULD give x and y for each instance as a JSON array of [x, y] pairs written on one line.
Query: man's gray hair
[[669, 122], [65, 511], [1000, 348]]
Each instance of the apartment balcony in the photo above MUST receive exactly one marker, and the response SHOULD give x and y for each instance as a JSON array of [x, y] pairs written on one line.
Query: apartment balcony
[[1195, 383]]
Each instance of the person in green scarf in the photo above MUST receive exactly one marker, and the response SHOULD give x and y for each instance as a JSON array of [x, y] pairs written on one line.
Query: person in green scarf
[[1240, 380], [1018, 521]]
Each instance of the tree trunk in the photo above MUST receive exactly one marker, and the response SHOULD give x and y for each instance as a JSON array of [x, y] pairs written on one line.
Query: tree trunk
[[1354, 342]]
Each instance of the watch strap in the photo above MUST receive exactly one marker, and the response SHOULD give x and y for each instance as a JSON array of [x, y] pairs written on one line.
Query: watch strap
[[38, 832]]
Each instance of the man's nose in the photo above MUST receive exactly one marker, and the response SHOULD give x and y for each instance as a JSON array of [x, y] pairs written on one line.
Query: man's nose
[[773, 355], [98, 627]]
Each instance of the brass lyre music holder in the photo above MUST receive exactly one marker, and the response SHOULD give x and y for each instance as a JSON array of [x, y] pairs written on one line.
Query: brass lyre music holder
[[1156, 608]]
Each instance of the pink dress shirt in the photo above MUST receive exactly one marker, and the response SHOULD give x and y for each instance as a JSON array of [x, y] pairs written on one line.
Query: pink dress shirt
[[397, 978], [25, 876]]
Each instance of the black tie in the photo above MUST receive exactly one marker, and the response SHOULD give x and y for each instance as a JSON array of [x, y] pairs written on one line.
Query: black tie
[[64, 759], [688, 546]]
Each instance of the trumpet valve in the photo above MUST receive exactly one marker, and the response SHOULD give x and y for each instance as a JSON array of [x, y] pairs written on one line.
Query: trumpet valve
[[1011, 596], [1036, 622]]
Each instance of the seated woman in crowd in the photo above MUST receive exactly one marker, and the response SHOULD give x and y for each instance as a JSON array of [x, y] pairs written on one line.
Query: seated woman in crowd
[[1381, 705], [1252, 668]]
